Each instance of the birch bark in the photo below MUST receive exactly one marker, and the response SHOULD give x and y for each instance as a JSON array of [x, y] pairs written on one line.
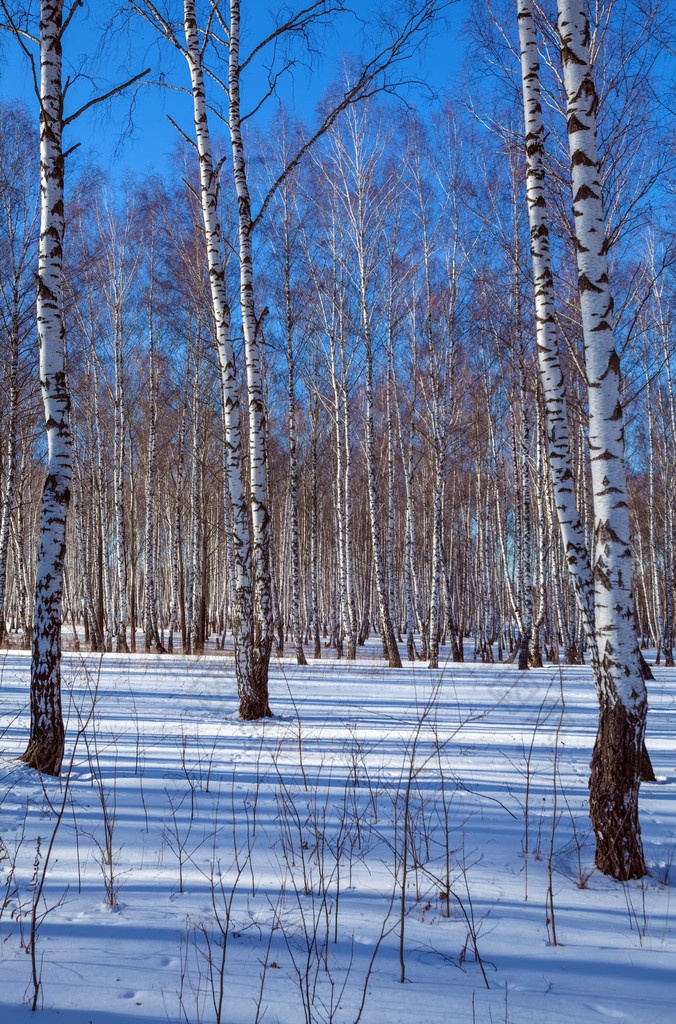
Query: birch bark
[[250, 702], [118, 482], [175, 520], [406, 451], [293, 460], [152, 636], [551, 373], [314, 537], [351, 616], [618, 751], [257, 702], [45, 745]]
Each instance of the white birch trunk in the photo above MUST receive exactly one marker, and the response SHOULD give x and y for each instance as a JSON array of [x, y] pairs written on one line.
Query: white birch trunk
[[257, 698], [351, 630], [314, 539], [118, 485], [524, 504], [340, 399], [389, 639], [175, 529], [551, 373], [293, 464], [407, 463], [45, 746], [152, 636], [618, 752], [660, 639], [390, 455], [250, 704], [192, 644], [435, 591]]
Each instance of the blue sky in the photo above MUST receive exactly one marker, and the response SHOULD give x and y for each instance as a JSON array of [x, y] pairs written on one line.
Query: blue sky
[[101, 133]]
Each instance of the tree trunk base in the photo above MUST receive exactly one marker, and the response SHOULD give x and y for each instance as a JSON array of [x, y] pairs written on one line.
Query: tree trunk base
[[45, 757], [613, 794], [253, 697]]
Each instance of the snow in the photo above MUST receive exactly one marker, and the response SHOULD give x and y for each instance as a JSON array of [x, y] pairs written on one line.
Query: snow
[[292, 832]]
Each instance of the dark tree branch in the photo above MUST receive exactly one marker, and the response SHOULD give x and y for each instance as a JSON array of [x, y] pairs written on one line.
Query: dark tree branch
[[105, 96], [365, 85], [181, 132], [298, 23]]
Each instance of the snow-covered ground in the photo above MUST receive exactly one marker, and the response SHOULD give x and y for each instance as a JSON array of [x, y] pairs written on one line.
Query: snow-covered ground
[[194, 864]]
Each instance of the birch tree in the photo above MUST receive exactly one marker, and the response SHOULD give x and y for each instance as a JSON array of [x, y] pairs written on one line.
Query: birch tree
[[616, 762], [152, 636], [45, 745]]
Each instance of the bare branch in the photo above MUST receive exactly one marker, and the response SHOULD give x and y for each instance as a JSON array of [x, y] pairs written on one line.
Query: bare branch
[[298, 23], [105, 96], [18, 33], [181, 132], [272, 84], [157, 21], [67, 21], [365, 85]]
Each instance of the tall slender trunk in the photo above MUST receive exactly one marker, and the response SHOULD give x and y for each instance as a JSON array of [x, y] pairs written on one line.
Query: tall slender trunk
[[351, 621], [551, 373], [257, 697], [524, 503], [669, 545], [619, 748], [535, 650], [314, 540], [390, 455], [175, 532], [660, 639], [389, 639], [293, 463], [45, 745], [131, 546], [407, 463], [194, 581], [229, 531], [339, 399], [118, 485], [251, 704], [152, 636], [435, 590]]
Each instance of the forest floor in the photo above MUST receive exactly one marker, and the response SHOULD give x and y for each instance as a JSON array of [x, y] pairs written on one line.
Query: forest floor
[[190, 866]]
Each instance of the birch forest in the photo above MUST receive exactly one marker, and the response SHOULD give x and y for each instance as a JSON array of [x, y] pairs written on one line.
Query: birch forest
[[402, 369]]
